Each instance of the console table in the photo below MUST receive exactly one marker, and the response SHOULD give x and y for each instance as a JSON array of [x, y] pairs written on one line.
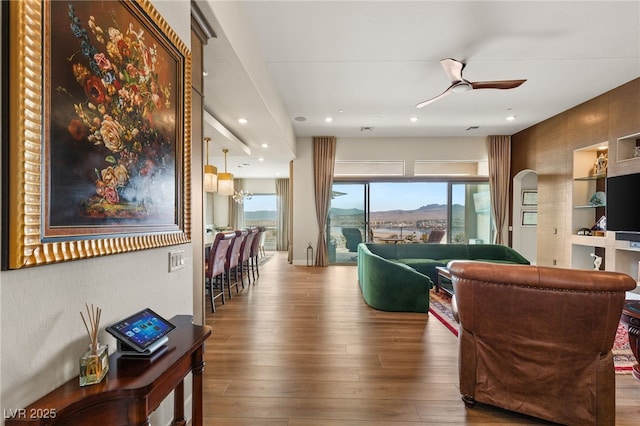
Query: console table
[[133, 388]]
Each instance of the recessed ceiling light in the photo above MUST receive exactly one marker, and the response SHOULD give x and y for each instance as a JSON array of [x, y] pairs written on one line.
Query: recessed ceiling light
[[340, 110], [242, 120], [328, 119], [300, 118], [511, 118], [265, 145], [260, 159], [413, 119]]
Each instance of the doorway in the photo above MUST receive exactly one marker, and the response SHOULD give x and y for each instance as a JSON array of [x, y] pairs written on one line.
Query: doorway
[[525, 213]]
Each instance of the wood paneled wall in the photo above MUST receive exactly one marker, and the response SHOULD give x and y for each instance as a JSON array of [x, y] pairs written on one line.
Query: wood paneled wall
[[547, 148]]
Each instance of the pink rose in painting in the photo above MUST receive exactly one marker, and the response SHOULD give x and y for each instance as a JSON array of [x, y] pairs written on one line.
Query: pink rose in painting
[[111, 195], [102, 61]]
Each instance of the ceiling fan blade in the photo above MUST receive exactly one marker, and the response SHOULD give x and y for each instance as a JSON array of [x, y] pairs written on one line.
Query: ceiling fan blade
[[453, 68], [501, 84], [441, 95]]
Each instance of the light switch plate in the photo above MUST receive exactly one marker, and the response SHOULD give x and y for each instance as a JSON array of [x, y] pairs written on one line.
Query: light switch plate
[[176, 260]]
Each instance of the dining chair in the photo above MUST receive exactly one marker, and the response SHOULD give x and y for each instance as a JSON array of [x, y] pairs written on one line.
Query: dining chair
[[245, 252], [215, 266], [258, 240], [233, 258]]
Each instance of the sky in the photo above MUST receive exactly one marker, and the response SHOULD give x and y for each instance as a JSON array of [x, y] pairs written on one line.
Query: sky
[[261, 202], [384, 196], [391, 195]]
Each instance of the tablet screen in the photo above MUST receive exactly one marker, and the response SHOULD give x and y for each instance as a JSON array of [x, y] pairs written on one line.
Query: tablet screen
[[141, 330]]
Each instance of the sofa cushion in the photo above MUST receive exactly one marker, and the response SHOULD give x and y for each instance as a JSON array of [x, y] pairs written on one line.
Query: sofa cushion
[[425, 266]]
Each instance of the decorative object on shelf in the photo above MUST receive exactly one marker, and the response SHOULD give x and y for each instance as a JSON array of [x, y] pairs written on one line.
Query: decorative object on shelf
[[584, 231], [225, 180], [597, 261], [94, 363], [636, 151], [600, 165], [601, 224], [240, 196], [598, 199], [529, 197], [210, 178]]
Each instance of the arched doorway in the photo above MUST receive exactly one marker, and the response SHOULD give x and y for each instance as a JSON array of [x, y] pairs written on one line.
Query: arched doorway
[[525, 210]]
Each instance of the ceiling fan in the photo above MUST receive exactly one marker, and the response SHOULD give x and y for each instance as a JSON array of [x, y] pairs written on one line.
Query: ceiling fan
[[454, 68]]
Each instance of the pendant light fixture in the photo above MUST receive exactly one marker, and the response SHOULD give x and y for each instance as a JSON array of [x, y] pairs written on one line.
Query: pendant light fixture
[[210, 180], [225, 180]]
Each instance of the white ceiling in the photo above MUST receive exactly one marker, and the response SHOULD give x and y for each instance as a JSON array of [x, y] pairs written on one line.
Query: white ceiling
[[368, 63]]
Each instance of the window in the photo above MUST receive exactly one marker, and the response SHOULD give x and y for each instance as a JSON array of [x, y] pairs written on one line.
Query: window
[[406, 212], [262, 210]]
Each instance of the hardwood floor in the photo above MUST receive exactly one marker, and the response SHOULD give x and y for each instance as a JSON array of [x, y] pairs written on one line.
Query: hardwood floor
[[301, 347]]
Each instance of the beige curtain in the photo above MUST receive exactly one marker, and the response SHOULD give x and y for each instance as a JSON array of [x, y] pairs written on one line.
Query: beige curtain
[[324, 154], [236, 210], [282, 197], [499, 149]]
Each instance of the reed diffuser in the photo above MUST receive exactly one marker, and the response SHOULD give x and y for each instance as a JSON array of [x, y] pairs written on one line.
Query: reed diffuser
[[94, 363]]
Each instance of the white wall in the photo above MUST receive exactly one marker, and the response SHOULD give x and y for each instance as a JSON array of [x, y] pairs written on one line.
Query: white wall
[[412, 149], [305, 227], [42, 332]]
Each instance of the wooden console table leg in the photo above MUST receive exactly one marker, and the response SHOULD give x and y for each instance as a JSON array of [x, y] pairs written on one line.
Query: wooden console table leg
[[198, 368], [178, 405]]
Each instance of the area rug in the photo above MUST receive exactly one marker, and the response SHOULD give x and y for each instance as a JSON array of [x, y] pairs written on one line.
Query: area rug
[[623, 359]]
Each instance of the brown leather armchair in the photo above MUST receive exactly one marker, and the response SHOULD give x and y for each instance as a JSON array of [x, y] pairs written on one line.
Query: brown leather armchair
[[537, 340]]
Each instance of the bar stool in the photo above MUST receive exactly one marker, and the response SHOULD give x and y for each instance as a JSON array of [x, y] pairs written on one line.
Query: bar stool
[[215, 266]]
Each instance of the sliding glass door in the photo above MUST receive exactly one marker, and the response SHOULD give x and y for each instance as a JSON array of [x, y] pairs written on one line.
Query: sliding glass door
[[407, 212], [346, 224], [262, 210], [471, 213]]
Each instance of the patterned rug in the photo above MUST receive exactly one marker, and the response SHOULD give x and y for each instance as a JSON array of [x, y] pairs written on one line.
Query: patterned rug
[[623, 359]]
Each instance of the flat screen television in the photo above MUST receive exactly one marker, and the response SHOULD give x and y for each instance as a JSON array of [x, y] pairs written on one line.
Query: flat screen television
[[623, 203]]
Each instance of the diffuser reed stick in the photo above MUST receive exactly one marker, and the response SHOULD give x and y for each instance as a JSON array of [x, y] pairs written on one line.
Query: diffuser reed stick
[[92, 325]]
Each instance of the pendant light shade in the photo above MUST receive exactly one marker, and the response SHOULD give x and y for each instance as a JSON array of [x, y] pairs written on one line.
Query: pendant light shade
[[210, 179], [225, 180]]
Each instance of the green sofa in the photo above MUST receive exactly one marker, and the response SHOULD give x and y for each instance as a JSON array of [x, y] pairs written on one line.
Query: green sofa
[[398, 277]]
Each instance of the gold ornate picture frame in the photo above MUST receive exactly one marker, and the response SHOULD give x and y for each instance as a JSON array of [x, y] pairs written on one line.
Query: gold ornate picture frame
[[99, 117]]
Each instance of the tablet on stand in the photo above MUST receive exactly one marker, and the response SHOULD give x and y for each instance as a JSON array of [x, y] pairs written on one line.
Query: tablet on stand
[[142, 335]]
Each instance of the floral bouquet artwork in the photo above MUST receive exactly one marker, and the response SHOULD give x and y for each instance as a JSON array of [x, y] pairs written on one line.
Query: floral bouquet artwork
[[117, 162]]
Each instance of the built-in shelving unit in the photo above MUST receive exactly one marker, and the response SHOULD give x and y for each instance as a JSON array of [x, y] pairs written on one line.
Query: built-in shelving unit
[[628, 148], [588, 179], [617, 255]]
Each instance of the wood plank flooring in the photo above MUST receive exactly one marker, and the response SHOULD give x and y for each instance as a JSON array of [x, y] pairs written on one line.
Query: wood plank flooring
[[300, 347]]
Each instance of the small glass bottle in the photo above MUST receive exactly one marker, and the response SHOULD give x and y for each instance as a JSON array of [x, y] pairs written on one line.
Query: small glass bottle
[[94, 364]]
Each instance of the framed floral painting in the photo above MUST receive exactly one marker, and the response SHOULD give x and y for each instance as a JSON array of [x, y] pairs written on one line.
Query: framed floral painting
[[100, 143]]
